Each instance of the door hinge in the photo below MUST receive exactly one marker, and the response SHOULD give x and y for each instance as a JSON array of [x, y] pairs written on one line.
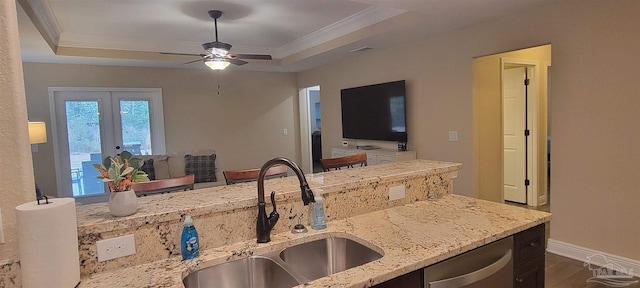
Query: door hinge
[[526, 82], [527, 132], [526, 182]]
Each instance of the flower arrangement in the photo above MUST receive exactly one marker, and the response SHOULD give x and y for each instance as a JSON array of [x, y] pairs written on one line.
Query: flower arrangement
[[121, 171]]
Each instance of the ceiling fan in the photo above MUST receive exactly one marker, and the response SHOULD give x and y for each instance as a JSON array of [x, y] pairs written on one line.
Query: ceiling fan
[[217, 56]]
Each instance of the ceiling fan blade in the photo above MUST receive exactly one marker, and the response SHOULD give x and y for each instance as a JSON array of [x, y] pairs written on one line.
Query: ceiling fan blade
[[237, 62], [194, 61], [182, 54], [251, 56]]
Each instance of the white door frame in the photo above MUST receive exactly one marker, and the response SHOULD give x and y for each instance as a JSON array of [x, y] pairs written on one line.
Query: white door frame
[[532, 67], [306, 162], [158, 144], [306, 143]]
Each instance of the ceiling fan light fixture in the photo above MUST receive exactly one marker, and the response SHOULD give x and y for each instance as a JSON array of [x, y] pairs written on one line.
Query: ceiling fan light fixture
[[219, 52], [217, 63], [216, 48]]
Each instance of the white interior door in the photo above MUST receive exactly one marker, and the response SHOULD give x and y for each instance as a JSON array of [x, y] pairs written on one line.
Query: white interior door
[[91, 123], [513, 126]]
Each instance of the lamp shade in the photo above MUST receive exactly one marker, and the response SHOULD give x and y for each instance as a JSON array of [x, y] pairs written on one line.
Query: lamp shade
[[37, 132], [217, 64]]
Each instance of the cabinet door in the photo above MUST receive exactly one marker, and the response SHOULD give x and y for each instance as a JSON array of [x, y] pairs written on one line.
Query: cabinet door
[[530, 274], [411, 280], [337, 153], [372, 159], [381, 159], [528, 244]]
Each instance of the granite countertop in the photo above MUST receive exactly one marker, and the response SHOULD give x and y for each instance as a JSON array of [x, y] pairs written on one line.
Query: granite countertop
[[410, 237], [95, 218]]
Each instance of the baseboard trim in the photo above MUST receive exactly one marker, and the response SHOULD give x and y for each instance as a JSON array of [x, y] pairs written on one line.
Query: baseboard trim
[[542, 200], [581, 253]]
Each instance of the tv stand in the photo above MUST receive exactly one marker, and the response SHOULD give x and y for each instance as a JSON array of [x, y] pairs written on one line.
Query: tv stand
[[367, 147], [376, 156]]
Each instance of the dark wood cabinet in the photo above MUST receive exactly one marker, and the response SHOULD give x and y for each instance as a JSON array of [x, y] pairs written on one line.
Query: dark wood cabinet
[[411, 280], [528, 258], [530, 274]]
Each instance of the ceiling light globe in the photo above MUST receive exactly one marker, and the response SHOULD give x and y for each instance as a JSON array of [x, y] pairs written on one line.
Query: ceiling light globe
[[217, 64]]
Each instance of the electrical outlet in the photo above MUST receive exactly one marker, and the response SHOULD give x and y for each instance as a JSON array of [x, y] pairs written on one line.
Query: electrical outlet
[[396, 192], [116, 247], [285, 132]]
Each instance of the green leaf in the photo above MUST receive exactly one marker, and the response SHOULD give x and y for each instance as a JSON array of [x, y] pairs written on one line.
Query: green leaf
[[140, 178], [136, 162], [99, 166], [113, 173], [126, 171], [107, 162], [125, 155]]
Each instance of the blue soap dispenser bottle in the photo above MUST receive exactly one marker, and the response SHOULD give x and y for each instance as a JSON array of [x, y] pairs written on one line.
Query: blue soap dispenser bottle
[[189, 242]]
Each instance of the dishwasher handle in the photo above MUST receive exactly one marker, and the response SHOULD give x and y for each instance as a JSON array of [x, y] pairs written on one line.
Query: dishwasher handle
[[474, 276]]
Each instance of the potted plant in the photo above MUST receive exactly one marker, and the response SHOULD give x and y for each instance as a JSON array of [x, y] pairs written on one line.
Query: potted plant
[[119, 173]]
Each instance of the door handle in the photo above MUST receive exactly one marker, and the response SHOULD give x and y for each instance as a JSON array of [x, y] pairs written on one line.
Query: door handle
[[474, 276]]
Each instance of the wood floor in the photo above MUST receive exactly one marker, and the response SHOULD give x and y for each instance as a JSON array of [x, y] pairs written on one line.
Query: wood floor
[[562, 272]]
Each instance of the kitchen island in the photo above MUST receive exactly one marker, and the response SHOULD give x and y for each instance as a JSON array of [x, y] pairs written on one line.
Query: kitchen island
[[410, 237]]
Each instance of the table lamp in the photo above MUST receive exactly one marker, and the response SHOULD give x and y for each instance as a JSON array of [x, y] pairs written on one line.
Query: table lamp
[[37, 135], [37, 132]]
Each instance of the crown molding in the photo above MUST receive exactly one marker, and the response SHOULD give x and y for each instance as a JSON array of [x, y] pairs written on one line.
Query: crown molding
[[122, 43], [118, 43], [41, 15], [355, 22]]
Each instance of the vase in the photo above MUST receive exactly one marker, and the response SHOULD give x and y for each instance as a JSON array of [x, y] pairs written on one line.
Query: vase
[[123, 203]]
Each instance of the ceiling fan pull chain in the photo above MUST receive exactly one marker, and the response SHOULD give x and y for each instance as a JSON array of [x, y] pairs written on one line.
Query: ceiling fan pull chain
[[218, 80]]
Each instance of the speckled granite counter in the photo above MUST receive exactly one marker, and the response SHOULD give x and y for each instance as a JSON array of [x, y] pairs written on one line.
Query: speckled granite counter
[[410, 236], [226, 215]]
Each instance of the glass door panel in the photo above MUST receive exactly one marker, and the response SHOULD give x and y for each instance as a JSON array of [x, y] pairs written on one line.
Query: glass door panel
[[136, 126], [85, 146]]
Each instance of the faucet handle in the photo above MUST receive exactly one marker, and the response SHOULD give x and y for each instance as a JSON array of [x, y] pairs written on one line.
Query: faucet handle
[[273, 216], [273, 200]]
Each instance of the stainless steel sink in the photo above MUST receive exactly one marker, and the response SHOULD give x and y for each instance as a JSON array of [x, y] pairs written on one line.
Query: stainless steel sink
[[251, 272], [320, 258], [287, 267]]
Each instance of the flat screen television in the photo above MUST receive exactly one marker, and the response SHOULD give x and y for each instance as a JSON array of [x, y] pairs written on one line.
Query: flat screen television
[[375, 112]]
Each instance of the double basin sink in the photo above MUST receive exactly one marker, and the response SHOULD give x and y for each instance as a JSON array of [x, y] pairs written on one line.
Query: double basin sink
[[286, 267]]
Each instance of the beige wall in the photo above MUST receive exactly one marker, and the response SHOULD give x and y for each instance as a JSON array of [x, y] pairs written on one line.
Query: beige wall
[[487, 119], [595, 110], [244, 124], [16, 170]]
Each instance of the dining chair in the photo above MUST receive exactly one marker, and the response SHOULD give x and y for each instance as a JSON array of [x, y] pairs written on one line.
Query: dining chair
[[249, 175], [344, 162]]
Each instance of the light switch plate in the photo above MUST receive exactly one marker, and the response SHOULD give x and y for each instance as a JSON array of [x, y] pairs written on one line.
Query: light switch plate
[[116, 247], [453, 136], [396, 192]]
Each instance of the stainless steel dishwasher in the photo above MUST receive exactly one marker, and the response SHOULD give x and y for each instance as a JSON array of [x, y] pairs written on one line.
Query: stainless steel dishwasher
[[489, 266]]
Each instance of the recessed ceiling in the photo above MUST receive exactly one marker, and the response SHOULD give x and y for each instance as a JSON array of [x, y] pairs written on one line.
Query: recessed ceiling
[[299, 34]]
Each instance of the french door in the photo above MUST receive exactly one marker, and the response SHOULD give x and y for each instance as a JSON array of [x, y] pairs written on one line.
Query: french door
[[92, 123]]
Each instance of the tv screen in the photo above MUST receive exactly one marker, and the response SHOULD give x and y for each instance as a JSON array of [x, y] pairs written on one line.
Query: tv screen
[[374, 112]]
